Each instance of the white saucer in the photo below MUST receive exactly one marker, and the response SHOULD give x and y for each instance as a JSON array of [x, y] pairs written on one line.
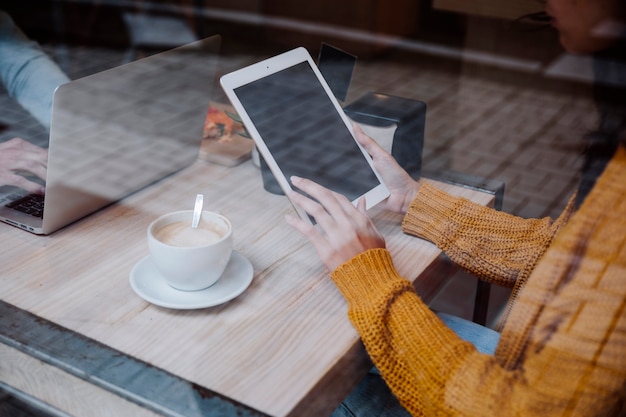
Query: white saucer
[[148, 283]]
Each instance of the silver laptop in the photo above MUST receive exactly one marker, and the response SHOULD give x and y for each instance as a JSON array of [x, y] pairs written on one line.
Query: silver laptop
[[118, 131]]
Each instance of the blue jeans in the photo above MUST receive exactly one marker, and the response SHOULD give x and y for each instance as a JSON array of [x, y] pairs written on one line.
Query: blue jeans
[[28, 74], [372, 397]]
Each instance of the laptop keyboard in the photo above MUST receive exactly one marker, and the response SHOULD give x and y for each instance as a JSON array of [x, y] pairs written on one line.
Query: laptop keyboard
[[31, 204]]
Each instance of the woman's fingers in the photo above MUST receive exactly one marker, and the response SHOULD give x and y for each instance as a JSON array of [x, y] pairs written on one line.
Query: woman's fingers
[[343, 230], [328, 202], [315, 209], [307, 230]]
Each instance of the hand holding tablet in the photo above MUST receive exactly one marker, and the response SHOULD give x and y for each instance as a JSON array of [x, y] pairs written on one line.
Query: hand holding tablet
[[343, 231], [300, 128]]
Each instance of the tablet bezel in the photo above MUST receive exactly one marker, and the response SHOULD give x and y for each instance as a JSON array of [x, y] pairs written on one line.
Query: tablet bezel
[[231, 81]]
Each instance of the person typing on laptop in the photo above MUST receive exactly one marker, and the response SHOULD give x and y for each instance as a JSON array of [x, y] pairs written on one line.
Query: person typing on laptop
[[30, 77], [103, 117], [18, 156]]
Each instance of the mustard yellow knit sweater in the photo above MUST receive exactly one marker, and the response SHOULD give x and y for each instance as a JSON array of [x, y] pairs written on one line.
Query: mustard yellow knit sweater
[[563, 346]]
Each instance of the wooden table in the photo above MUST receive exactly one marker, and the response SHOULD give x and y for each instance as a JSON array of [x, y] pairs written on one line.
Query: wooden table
[[75, 336]]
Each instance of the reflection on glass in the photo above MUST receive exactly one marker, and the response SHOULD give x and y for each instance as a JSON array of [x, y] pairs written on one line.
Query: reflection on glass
[[290, 110]]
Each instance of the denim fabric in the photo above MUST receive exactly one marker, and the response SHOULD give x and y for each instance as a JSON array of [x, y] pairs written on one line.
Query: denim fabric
[[372, 397], [483, 338], [28, 74]]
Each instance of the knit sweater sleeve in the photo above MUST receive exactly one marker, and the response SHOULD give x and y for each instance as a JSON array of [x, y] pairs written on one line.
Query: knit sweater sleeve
[[418, 356], [433, 372], [496, 246]]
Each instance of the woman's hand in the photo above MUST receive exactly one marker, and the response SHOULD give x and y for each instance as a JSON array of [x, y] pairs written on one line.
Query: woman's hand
[[344, 230], [402, 187], [18, 155]]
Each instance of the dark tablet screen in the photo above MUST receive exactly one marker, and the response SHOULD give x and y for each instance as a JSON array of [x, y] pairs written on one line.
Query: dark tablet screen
[[304, 133]]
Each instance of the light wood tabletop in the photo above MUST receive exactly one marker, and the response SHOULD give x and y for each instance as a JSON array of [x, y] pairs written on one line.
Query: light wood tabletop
[[284, 347]]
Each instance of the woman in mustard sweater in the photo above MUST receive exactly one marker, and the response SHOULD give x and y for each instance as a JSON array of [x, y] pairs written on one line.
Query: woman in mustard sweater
[[562, 345]]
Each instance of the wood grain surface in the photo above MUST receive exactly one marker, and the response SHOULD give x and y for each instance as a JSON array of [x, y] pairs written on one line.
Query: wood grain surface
[[283, 347]]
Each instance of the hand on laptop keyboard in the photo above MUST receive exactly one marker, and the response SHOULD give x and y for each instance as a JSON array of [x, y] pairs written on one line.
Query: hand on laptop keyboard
[[19, 158]]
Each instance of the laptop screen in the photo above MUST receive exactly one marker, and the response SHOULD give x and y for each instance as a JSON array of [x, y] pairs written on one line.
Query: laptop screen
[[117, 131]]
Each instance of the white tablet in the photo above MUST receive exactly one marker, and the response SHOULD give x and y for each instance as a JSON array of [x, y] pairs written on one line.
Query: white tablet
[[300, 128]]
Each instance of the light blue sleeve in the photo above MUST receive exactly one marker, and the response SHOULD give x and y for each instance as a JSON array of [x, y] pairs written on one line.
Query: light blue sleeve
[[27, 72]]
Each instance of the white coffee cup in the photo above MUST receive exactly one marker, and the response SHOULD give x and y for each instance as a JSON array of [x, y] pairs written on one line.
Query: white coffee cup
[[190, 259]]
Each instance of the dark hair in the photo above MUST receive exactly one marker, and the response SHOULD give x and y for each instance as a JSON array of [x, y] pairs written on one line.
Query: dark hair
[[609, 68]]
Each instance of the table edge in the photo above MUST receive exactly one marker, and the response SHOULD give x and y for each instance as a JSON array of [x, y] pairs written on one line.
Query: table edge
[[134, 380]]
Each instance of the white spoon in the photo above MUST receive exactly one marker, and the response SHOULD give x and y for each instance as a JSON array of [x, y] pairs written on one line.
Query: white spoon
[[197, 211]]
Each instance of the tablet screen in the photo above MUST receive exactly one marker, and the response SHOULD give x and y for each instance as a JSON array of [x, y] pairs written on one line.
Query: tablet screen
[[304, 133]]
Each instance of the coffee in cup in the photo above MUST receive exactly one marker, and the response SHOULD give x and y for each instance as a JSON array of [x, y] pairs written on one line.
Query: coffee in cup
[[182, 234], [190, 259]]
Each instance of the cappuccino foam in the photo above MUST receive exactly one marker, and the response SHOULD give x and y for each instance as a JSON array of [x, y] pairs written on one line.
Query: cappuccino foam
[[182, 234]]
